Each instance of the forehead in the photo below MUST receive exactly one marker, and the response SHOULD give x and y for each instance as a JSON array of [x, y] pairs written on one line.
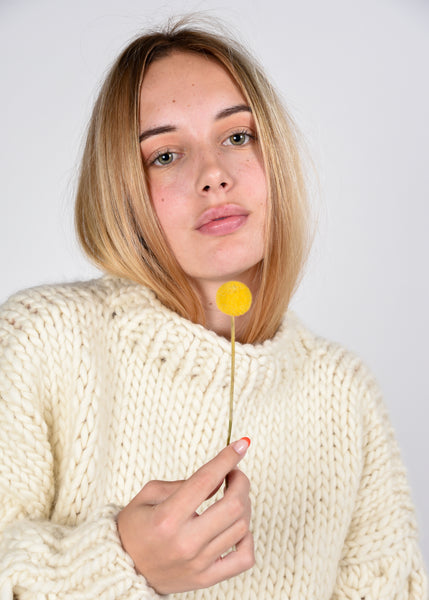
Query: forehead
[[186, 78]]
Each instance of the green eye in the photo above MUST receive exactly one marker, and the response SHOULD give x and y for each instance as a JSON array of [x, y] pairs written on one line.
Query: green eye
[[237, 139], [164, 159]]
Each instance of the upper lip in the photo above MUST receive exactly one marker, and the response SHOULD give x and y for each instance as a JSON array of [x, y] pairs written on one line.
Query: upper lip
[[220, 212]]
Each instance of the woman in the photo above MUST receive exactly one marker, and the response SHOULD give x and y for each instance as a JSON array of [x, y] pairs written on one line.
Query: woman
[[114, 392]]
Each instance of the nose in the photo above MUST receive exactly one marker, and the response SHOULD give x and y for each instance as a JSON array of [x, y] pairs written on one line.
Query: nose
[[213, 176]]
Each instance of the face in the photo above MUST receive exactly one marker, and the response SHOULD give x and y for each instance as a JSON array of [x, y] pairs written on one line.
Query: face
[[204, 167]]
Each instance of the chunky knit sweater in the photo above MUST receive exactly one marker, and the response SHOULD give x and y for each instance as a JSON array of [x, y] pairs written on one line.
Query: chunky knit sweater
[[103, 389]]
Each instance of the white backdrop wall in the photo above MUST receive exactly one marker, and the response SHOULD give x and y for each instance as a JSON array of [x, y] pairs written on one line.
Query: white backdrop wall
[[354, 75]]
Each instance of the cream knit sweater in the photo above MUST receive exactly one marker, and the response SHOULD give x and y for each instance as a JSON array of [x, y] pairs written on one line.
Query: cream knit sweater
[[103, 389]]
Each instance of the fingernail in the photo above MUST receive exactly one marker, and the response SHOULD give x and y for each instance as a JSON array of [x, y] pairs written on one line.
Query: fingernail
[[240, 446]]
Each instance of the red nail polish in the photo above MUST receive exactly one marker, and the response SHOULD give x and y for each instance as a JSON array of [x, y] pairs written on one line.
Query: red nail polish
[[241, 445]]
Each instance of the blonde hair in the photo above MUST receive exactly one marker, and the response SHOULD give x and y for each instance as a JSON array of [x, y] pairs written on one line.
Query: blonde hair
[[116, 223]]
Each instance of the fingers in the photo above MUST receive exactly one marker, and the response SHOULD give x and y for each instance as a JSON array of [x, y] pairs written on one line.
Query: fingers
[[201, 484], [234, 506], [234, 562], [229, 538]]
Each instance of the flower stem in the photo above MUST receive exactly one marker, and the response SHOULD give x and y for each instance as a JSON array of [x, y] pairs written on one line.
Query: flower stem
[[231, 389]]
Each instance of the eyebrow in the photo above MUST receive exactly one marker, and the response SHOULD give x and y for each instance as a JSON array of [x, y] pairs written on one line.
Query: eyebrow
[[156, 131], [226, 112]]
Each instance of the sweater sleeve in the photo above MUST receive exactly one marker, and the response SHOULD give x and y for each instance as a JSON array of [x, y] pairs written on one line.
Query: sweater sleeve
[[41, 559], [381, 559]]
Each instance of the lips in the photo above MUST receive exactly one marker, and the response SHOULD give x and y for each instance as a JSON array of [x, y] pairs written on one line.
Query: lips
[[221, 220]]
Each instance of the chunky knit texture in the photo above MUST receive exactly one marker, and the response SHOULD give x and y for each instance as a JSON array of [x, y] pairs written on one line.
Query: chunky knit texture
[[103, 389]]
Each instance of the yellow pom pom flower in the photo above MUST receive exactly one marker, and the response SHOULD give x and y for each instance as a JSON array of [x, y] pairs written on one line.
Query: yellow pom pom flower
[[233, 298]]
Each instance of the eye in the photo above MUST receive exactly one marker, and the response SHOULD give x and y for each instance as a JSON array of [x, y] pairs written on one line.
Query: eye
[[163, 159], [239, 138]]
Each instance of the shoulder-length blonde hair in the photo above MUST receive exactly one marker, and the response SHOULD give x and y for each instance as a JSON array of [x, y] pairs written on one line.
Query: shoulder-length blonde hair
[[115, 220]]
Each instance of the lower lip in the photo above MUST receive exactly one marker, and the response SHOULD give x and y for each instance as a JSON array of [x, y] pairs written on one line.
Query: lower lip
[[223, 226]]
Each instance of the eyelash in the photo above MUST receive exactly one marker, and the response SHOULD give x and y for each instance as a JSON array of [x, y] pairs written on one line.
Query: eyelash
[[246, 132]]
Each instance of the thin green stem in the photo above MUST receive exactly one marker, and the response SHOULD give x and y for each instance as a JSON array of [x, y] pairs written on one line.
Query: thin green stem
[[231, 388]]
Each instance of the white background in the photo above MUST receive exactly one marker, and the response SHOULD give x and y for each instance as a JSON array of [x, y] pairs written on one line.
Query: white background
[[356, 77]]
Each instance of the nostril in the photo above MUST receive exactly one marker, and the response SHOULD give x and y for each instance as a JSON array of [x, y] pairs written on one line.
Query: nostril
[[207, 188]]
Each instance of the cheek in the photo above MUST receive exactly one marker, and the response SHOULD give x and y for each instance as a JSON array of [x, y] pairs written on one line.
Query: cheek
[[252, 172], [160, 201], [167, 187], [170, 208]]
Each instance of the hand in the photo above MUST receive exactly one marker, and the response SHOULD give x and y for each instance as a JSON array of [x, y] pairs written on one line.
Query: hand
[[178, 550]]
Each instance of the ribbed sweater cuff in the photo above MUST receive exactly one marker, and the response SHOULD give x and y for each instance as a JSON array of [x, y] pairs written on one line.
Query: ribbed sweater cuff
[[43, 560]]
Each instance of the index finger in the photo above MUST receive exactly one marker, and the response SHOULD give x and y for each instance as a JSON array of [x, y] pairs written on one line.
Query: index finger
[[200, 485]]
